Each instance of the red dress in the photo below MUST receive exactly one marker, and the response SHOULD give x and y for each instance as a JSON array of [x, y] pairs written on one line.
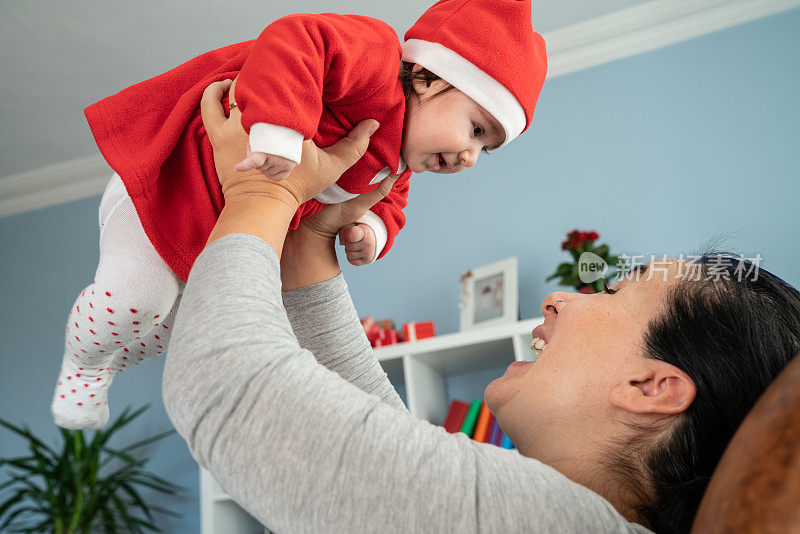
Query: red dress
[[317, 74]]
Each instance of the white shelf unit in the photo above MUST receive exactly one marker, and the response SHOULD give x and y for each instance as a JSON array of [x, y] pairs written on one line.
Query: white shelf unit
[[219, 513], [423, 372]]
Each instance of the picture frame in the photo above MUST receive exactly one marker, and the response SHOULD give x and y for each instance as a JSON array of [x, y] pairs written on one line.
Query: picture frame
[[489, 295]]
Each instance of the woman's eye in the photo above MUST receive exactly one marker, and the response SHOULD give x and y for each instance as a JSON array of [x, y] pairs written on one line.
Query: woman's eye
[[477, 130], [608, 290]]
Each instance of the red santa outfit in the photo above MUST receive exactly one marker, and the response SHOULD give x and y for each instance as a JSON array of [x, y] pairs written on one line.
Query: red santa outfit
[[305, 77], [318, 75]]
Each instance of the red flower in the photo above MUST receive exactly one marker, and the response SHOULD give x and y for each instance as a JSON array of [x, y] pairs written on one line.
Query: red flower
[[587, 236], [576, 239], [586, 290]]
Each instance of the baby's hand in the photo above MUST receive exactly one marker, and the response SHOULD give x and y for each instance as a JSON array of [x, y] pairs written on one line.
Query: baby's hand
[[359, 243], [274, 167]]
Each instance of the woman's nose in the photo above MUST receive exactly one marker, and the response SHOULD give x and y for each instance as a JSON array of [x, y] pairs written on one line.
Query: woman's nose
[[553, 302], [468, 158]]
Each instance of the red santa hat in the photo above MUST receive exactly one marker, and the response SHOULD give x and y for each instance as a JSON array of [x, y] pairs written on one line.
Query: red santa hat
[[488, 50]]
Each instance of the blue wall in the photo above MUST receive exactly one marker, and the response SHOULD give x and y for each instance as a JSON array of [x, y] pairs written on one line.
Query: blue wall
[[659, 153], [49, 257]]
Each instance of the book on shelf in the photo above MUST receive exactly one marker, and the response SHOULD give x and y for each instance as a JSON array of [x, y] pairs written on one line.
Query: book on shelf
[[476, 421], [468, 427], [455, 416], [495, 434], [483, 426]]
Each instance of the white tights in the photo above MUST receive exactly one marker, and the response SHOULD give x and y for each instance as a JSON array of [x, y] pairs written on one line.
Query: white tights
[[120, 320]]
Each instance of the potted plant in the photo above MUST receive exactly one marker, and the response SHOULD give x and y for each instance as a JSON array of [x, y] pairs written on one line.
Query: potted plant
[[588, 270], [85, 486]]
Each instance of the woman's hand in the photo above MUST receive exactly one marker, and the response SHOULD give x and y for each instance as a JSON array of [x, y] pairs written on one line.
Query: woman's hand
[[254, 204], [319, 167], [308, 254], [327, 222]]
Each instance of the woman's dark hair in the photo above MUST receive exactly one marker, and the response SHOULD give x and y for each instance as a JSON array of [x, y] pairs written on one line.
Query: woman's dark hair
[[732, 331], [408, 77]]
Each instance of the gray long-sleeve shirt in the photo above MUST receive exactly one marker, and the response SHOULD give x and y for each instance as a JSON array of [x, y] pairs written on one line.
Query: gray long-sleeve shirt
[[290, 411]]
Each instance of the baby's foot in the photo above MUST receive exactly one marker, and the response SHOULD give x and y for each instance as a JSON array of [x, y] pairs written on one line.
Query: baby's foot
[[80, 400]]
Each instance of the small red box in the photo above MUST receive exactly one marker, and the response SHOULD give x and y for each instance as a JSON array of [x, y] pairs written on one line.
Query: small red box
[[418, 330], [386, 337], [371, 329]]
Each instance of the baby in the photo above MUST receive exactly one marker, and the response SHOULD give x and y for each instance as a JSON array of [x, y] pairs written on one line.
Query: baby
[[466, 79]]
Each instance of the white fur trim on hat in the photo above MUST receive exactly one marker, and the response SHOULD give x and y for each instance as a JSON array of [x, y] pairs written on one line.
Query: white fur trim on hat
[[470, 80]]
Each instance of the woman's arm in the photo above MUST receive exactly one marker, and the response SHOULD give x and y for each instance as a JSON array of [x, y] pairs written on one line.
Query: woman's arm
[[319, 308], [319, 311], [304, 451]]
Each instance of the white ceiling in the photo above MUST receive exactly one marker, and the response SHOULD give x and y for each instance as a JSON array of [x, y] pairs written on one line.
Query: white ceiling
[[60, 56]]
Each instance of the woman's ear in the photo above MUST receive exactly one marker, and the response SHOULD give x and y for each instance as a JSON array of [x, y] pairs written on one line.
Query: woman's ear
[[656, 388]]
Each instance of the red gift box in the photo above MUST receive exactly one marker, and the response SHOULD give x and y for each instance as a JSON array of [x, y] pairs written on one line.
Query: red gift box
[[371, 329], [386, 337], [414, 331], [387, 324], [380, 334]]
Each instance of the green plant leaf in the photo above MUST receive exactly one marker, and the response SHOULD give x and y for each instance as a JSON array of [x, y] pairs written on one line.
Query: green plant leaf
[[124, 418], [109, 523], [43, 526], [13, 480], [148, 525], [164, 511], [12, 514], [25, 463], [147, 441], [34, 491], [153, 482], [119, 455], [123, 473], [27, 434], [123, 513], [8, 522], [134, 495], [81, 495], [77, 438], [19, 496], [564, 268]]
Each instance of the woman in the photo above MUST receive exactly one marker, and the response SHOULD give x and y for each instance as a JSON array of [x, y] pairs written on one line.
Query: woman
[[619, 423]]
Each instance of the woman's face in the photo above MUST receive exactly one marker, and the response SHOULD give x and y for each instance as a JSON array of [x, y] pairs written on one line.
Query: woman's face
[[446, 133], [551, 407]]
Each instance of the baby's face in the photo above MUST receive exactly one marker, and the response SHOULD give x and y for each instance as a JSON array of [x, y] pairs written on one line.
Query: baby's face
[[446, 134]]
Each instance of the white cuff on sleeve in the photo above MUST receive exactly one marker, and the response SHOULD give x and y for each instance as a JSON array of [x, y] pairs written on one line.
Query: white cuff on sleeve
[[381, 234], [277, 140]]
